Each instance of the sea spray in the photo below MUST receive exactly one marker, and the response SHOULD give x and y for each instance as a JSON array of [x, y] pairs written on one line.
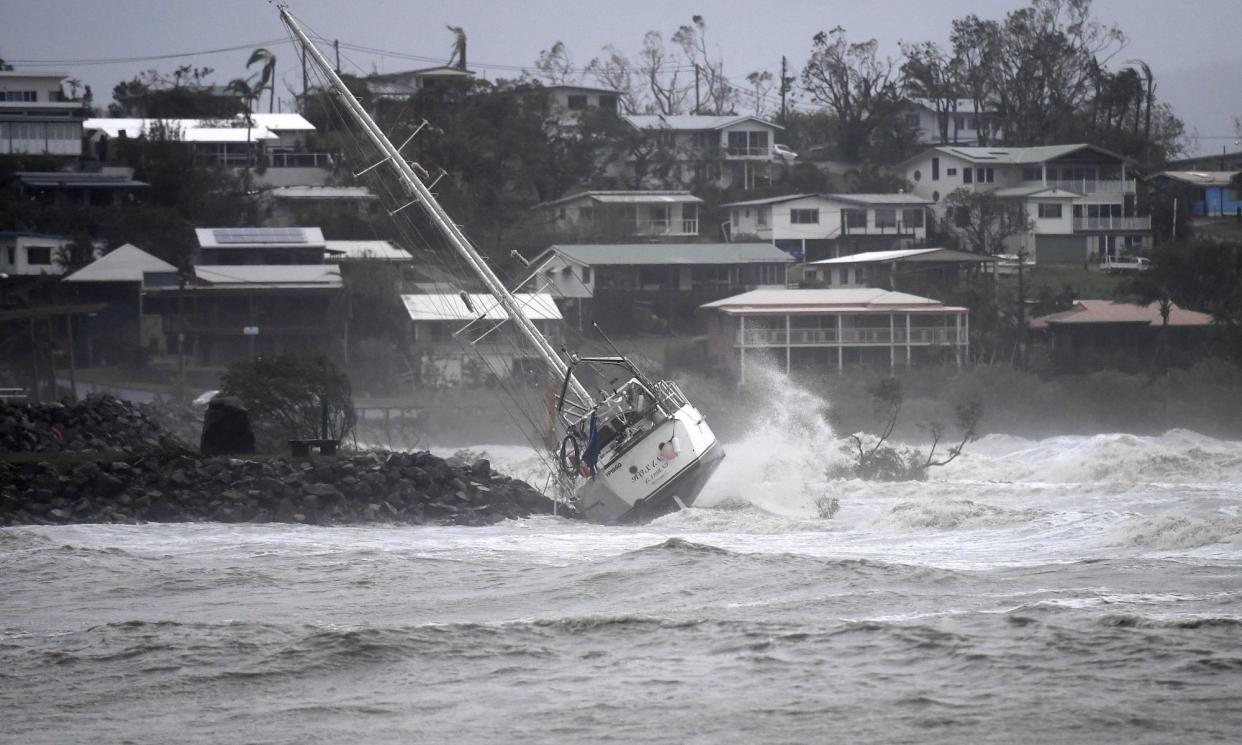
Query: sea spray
[[780, 465]]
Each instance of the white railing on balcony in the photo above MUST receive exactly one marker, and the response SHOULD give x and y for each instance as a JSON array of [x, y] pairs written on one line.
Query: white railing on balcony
[[667, 227], [300, 160], [741, 151], [1112, 223], [849, 336], [1091, 186]]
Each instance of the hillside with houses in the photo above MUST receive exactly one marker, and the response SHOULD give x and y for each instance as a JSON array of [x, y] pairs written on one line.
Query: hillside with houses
[[959, 206]]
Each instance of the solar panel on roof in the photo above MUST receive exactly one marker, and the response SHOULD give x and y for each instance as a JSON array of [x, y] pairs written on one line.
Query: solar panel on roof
[[259, 235]]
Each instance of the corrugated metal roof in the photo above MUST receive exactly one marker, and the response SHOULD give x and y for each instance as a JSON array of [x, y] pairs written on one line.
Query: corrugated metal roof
[[283, 122], [689, 122], [1108, 311], [190, 130], [322, 192], [270, 276], [648, 198], [125, 264], [1022, 155], [79, 180], [924, 254], [672, 253], [851, 296], [448, 307], [365, 251], [863, 199], [1200, 178]]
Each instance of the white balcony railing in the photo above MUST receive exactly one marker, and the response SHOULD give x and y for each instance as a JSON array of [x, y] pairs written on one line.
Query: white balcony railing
[[1112, 223], [300, 160], [742, 151], [1091, 186], [667, 227], [850, 336]]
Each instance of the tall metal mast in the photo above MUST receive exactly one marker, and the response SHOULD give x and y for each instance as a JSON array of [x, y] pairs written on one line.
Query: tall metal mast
[[436, 213]]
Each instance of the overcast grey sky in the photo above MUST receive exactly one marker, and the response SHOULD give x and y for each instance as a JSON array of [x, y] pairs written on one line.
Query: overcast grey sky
[[1192, 47]]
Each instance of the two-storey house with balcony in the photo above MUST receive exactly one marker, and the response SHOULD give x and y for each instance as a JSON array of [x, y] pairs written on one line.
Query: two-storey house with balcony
[[728, 151], [1080, 198], [36, 118], [812, 227], [624, 214]]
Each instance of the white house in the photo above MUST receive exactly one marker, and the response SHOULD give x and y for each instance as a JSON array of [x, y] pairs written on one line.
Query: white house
[[729, 151], [28, 254], [1080, 198], [566, 103], [819, 226], [622, 214], [958, 124], [36, 118]]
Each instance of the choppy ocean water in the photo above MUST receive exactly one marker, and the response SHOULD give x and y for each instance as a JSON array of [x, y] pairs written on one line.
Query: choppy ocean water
[[1076, 589]]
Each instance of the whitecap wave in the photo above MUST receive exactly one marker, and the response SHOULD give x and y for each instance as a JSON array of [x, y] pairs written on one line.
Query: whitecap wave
[[1173, 531]]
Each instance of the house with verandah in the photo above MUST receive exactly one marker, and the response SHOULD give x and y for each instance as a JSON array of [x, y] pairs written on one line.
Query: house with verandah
[[623, 214], [811, 227], [815, 331], [678, 151], [1080, 199]]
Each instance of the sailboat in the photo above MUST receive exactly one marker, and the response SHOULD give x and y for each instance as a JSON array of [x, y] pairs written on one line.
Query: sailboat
[[632, 451]]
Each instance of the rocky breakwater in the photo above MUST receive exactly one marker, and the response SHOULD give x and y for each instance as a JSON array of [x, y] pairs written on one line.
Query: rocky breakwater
[[131, 470]]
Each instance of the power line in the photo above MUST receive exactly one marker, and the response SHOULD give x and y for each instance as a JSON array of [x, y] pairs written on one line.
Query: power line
[[150, 58]]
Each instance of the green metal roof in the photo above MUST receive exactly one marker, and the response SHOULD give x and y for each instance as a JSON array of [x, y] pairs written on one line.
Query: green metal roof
[[672, 253]]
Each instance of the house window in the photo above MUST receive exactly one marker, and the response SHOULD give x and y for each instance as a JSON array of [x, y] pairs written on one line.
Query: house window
[[39, 256], [935, 169], [12, 256], [761, 216], [912, 218], [935, 196], [586, 275], [748, 143], [608, 103], [984, 175], [918, 175], [886, 218], [577, 102], [660, 217], [566, 272], [804, 217], [912, 120], [1049, 211], [586, 214], [959, 122], [1032, 173], [856, 219], [22, 96], [968, 175], [950, 172]]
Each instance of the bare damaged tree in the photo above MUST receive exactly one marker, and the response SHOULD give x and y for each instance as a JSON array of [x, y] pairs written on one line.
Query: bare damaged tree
[[761, 83], [659, 69], [931, 75], [555, 64], [858, 87], [717, 93], [614, 70], [968, 415]]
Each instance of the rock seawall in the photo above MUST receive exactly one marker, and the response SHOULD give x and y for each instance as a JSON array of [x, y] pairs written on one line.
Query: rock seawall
[[105, 460]]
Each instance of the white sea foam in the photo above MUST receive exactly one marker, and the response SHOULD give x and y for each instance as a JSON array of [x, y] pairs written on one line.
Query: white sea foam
[[1174, 531]]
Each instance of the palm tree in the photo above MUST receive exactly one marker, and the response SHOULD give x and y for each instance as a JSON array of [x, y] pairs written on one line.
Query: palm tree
[[1151, 92], [249, 95], [267, 75]]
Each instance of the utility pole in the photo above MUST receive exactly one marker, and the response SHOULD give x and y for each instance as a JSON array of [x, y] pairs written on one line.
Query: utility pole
[[784, 88], [336, 45], [696, 88], [304, 80]]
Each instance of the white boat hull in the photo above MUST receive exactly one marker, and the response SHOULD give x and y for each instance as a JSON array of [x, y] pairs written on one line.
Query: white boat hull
[[661, 473]]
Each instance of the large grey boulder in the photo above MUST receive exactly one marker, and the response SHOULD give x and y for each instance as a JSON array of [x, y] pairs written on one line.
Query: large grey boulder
[[226, 428]]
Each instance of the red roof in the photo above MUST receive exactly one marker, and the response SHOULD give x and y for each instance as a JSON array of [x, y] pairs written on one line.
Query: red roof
[[1108, 311]]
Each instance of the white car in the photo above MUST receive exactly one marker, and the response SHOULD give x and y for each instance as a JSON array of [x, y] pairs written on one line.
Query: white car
[[783, 151], [205, 398]]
